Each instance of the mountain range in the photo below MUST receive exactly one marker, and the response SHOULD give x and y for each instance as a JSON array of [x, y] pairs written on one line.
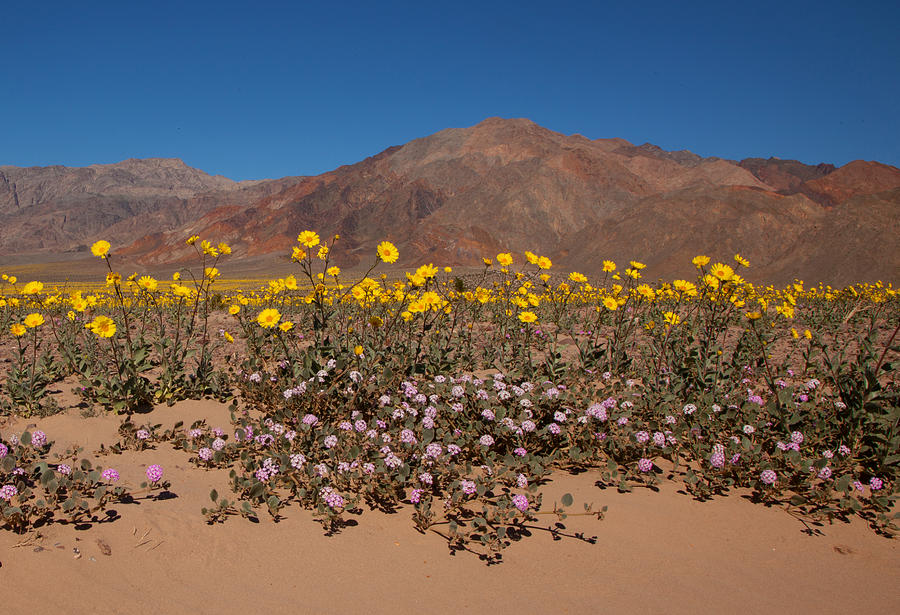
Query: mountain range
[[465, 193]]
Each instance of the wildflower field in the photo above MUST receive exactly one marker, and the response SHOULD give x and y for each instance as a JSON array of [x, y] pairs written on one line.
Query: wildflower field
[[457, 395]]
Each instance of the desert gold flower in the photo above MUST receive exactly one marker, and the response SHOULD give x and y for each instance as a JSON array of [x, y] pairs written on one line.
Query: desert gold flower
[[323, 252], [234, 309], [12, 279], [358, 350], [427, 271], [637, 265], [100, 248], [224, 248], [228, 337], [286, 326], [753, 315], [807, 334], [211, 273], [487, 262], [32, 288], [387, 252], [113, 278], [700, 261], [192, 240], [17, 329], [741, 260], [268, 318], [34, 320], [181, 291], [528, 317], [176, 276], [208, 248], [310, 239], [671, 318], [147, 283], [70, 315], [544, 262], [333, 271], [505, 259], [531, 257], [609, 266], [722, 271], [610, 304], [577, 277], [102, 326]]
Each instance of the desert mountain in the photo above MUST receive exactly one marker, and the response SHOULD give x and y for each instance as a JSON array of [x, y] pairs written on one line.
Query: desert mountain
[[464, 193]]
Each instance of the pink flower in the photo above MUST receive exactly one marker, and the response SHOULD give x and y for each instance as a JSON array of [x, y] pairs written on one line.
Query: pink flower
[[520, 502], [110, 475], [645, 465], [768, 477], [154, 473]]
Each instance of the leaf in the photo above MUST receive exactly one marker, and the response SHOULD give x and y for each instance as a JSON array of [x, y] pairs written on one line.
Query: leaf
[[798, 500], [213, 495], [567, 499]]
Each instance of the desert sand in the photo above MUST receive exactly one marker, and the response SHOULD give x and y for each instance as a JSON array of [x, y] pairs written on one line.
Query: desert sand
[[655, 552]]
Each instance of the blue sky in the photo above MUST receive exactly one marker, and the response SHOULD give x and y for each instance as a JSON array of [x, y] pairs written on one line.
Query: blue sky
[[268, 89]]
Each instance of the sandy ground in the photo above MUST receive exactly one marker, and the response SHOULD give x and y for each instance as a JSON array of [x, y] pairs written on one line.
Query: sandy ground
[[654, 553]]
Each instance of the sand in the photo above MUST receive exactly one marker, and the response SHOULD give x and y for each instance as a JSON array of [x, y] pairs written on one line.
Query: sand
[[655, 552]]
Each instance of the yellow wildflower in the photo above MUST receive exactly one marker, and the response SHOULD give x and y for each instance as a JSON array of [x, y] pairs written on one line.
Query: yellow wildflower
[[34, 320], [286, 326], [387, 252], [310, 239], [268, 318], [528, 317], [100, 248], [32, 288], [102, 326], [505, 259], [17, 330]]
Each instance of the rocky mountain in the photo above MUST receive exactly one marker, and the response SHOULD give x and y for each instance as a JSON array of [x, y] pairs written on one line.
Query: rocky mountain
[[504, 184]]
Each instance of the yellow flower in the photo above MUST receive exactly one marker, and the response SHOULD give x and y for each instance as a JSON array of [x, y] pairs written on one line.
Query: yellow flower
[[70, 315], [323, 252], [721, 271], [290, 283], [32, 288], [807, 334], [333, 271], [286, 326], [427, 271], [387, 252], [505, 259], [544, 262], [100, 248], [685, 287], [181, 291], [192, 240], [310, 239], [487, 262], [176, 276], [228, 337], [633, 273], [208, 248], [577, 277], [102, 326], [211, 273], [17, 330], [224, 248], [531, 257], [13, 279], [610, 304], [268, 318], [609, 266], [700, 261], [753, 315], [794, 333], [448, 269], [147, 283], [528, 317], [671, 318], [234, 309], [358, 350], [637, 265], [741, 260], [34, 320], [113, 278]]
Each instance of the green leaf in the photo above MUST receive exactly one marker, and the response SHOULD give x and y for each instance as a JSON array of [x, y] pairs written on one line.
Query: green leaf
[[213, 495], [567, 499]]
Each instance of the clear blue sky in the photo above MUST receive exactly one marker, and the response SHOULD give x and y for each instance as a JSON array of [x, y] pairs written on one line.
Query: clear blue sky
[[268, 89]]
